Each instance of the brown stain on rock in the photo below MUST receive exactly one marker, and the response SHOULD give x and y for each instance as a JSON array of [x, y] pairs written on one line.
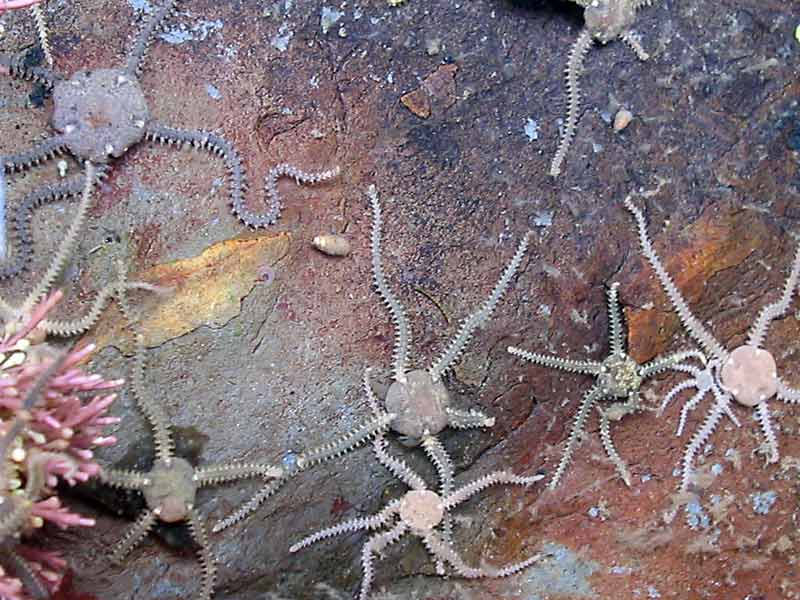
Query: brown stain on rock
[[722, 238], [202, 290], [438, 89]]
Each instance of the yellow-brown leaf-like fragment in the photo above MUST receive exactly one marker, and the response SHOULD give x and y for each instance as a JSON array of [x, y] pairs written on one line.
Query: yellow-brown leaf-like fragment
[[203, 290]]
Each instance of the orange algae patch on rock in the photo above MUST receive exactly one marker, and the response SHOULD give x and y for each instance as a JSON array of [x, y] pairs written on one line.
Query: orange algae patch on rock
[[203, 290], [720, 239]]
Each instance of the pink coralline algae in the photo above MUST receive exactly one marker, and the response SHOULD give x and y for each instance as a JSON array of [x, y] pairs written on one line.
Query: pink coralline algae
[[52, 416]]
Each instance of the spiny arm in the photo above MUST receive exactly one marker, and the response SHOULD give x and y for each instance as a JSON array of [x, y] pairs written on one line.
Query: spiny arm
[[577, 54], [589, 400], [693, 326], [215, 474], [479, 317], [251, 505], [67, 245], [438, 548], [772, 311], [396, 466], [376, 544], [207, 563], [370, 523], [347, 442], [611, 451], [467, 491], [615, 333], [587, 367], [142, 42], [137, 532], [402, 342]]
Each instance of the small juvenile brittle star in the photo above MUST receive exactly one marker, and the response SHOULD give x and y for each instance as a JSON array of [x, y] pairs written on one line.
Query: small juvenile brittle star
[[421, 512], [605, 20], [170, 486], [417, 396], [618, 378], [98, 115], [748, 374]]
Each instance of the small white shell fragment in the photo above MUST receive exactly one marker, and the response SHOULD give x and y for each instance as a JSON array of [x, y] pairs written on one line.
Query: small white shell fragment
[[622, 119], [332, 245], [62, 168]]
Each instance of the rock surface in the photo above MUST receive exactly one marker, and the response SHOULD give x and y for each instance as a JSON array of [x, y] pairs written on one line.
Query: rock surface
[[714, 152]]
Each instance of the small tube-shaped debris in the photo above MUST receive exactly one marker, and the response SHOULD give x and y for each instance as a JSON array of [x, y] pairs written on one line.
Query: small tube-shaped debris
[[332, 245]]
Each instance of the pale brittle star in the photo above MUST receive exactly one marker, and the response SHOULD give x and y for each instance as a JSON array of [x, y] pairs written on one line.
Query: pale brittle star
[[170, 486], [421, 512], [98, 115], [748, 374], [618, 378], [605, 20]]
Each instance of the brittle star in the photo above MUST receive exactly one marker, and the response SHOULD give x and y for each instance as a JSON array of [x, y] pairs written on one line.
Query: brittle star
[[747, 374], [417, 403], [605, 20], [618, 377], [420, 512], [171, 485], [98, 115]]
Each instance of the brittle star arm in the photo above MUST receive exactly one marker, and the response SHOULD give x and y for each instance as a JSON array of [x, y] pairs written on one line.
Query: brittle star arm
[[305, 461], [215, 474], [479, 317], [788, 394], [772, 311], [701, 436], [266, 492], [219, 146], [444, 469], [587, 367], [663, 363], [377, 544], [135, 534], [611, 451], [207, 564], [468, 490], [43, 32], [577, 54], [762, 416], [41, 152], [22, 241], [376, 521], [615, 332], [81, 325], [695, 328], [444, 552], [142, 42], [633, 42], [66, 246], [396, 466], [588, 401], [402, 328], [15, 67]]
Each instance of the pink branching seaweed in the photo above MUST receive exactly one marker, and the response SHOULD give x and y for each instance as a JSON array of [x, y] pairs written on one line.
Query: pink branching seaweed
[[52, 416]]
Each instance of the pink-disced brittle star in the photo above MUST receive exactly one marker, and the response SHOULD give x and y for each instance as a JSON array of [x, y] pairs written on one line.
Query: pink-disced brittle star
[[619, 378], [605, 20], [98, 115], [421, 512], [747, 374]]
